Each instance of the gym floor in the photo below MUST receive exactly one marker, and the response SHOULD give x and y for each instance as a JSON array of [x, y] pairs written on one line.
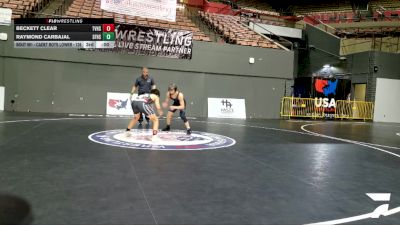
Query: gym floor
[[277, 172]]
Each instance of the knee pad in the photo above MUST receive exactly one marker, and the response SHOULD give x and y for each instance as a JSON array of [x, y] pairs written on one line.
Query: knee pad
[[182, 114]]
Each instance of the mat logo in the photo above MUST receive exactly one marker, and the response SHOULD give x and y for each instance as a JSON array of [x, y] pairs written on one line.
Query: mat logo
[[117, 103], [173, 140], [228, 106], [226, 103], [326, 86], [382, 210]]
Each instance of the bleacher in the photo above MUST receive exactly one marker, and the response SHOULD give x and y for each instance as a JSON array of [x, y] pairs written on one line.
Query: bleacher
[[334, 17], [231, 28], [21, 8], [387, 10], [326, 7], [258, 11], [91, 9], [367, 31], [326, 12], [256, 6], [264, 20], [351, 17], [387, 4]]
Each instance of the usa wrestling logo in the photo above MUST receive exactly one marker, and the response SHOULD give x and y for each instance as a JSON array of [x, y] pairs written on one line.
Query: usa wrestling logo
[[173, 140], [117, 103]]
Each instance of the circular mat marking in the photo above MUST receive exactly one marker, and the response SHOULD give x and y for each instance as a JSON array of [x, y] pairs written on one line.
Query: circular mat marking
[[172, 140]]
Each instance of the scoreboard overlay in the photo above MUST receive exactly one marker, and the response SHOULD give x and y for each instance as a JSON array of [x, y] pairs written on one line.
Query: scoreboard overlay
[[64, 33]]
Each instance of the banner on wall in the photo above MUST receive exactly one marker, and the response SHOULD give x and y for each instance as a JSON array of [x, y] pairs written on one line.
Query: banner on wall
[[150, 41], [155, 9], [325, 91], [118, 104], [5, 16], [2, 94], [226, 108]]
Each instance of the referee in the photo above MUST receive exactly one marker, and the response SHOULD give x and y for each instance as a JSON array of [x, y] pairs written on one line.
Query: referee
[[143, 85]]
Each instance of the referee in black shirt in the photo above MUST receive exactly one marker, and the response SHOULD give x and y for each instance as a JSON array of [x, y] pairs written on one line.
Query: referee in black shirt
[[143, 85]]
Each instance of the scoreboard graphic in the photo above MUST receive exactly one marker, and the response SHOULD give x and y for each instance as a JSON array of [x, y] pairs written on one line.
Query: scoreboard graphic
[[64, 33]]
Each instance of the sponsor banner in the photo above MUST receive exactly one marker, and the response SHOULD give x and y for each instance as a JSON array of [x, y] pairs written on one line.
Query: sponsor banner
[[141, 40], [5, 16], [2, 94], [325, 91], [226, 108], [118, 104], [155, 9]]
